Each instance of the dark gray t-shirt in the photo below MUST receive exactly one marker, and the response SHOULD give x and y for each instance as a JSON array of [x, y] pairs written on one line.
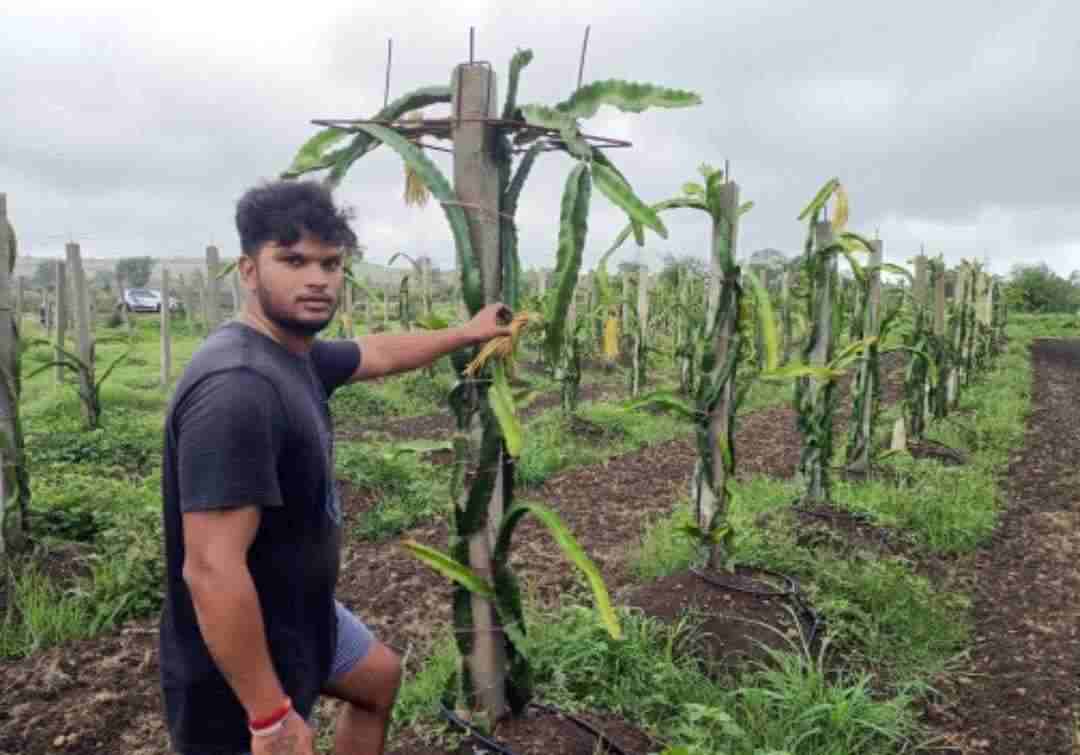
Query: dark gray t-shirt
[[249, 423]]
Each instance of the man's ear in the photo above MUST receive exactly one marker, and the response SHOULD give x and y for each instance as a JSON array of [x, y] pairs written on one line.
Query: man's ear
[[248, 270]]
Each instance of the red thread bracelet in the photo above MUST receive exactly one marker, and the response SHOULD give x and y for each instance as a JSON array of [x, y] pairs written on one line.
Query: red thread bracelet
[[276, 717]]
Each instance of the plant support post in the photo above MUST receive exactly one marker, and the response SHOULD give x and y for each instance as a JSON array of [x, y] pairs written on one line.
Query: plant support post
[[716, 393], [166, 336], [14, 481], [85, 335], [815, 395], [212, 304], [868, 378], [60, 281], [476, 186]]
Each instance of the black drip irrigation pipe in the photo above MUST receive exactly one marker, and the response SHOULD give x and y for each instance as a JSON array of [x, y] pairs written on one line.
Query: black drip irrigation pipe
[[473, 732], [494, 746], [857, 516], [791, 584], [807, 615]]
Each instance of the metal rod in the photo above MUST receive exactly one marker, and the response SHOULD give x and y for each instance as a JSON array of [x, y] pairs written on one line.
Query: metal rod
[[389, 61], [727, 169], [581, 65], [472, 44]]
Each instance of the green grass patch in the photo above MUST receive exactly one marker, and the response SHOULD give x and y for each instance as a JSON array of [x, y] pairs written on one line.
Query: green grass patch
[[410, 489], [39, 614]]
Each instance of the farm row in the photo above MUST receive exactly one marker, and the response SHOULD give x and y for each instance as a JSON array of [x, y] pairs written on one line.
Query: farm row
[[887, 585]]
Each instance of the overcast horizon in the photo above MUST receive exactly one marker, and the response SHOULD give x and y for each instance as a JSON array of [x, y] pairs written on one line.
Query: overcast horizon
[[133, 130]]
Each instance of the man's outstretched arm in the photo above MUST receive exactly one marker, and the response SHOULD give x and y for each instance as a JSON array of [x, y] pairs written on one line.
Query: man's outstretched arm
[[390, 353]]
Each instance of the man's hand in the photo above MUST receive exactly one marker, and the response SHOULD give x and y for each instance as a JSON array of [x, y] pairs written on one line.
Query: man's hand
[[294, 738], [490, 322]]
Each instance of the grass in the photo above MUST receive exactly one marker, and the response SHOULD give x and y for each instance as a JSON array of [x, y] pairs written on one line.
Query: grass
[[40, 614], [410, 490]]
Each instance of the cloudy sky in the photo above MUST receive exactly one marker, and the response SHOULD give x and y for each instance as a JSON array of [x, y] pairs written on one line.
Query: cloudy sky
[[133, 128]]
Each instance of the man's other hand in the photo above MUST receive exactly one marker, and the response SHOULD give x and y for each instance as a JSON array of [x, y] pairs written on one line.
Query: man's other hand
[[294, 738]]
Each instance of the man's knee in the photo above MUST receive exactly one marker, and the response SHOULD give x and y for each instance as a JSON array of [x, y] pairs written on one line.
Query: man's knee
[[373, 682]]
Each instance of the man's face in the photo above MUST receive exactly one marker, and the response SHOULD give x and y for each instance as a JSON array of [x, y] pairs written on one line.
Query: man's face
[[297, 286]]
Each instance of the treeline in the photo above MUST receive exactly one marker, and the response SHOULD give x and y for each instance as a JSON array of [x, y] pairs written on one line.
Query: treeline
[[1037, 288]]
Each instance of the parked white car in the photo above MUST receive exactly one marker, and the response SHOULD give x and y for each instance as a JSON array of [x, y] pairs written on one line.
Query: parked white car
[[146, 300]]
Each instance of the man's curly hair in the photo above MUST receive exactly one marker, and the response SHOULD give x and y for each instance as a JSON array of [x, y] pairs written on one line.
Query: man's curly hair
[[282, 211]]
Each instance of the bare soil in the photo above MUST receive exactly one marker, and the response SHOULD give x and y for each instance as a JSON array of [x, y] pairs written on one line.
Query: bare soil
[[731, 628], [541, 732]]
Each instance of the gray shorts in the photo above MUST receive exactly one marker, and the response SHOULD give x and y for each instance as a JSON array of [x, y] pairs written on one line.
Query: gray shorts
[[354, 640]]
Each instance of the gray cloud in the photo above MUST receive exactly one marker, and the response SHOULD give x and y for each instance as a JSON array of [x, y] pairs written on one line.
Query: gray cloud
[[952, 124]]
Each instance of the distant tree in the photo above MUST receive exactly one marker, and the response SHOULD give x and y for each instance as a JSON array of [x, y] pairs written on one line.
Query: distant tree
[[103, 279], [674, 266], [43, 275], [630, 267], [1037, 288], [136, 270], [767, 258]]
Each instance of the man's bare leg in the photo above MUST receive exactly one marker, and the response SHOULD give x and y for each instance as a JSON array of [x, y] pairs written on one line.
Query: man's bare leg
[[368, 690]]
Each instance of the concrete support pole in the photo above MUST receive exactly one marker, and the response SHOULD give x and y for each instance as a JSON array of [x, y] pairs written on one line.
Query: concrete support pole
[[12, 524], [816, 454], [121, 285], [198, 286], [347, 309], [869, 376], [710, 501], [20, 298], [640, 334], [476, 183], [237, 293], [166, 331], [921, 295], [84, 332], [213, 289], [368, 309], [786, 318], [61, 317]]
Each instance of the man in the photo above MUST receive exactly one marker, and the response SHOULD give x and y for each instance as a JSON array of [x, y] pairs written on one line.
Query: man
[[251, 634]]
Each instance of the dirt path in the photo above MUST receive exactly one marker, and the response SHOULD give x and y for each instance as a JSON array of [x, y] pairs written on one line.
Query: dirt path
[[1021, 693]]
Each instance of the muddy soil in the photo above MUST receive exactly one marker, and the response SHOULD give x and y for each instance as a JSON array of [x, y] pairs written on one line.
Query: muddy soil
[[1020, 689]]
